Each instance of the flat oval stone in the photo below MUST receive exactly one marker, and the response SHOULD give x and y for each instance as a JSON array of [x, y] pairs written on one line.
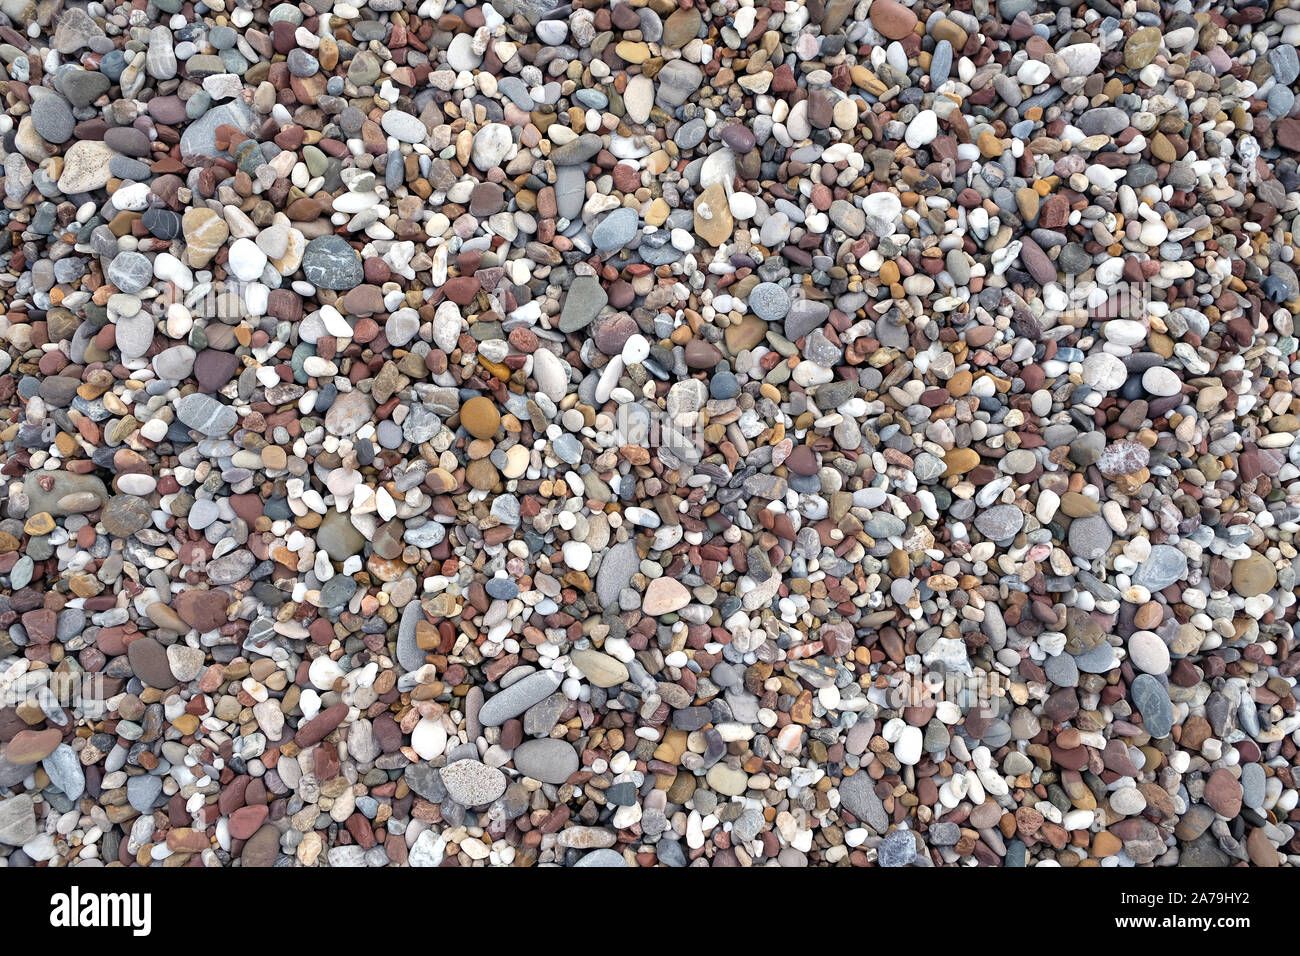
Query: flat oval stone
[[149, 662], [518, 697], [32, 746], [769, 301], [548, 760], [205, 414], [600, 669], [404, 127], [1152, 700], [1001, 522]]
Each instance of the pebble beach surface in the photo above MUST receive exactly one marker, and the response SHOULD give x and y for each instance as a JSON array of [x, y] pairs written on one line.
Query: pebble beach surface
[[657, 432]]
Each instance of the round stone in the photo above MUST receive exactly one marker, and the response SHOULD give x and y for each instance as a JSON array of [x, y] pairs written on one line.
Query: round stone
[[923, 128], [329, 262], [1161, 381], [548, 760], [1104, 372], [1148, 653], [1253, 575], [1001, 522], [246, 260], [480, 417], [130, 271], [577, 555], [428, 739]]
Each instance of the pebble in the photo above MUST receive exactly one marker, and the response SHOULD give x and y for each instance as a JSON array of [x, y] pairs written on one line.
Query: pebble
[[470, 400], [603, 857], [53, 119], [858, 796], [1164, 566], [404, 126], [17, 820], [664, 596], [143, 791], [472, 783], [1153, 702], [65, 772], [1148, 652], [898, 847], [550, 761], [206, 414], [616, 230], [1161, 382], [329, 262], [518, 697], [923, 129], [769, 302], [601, 670]]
